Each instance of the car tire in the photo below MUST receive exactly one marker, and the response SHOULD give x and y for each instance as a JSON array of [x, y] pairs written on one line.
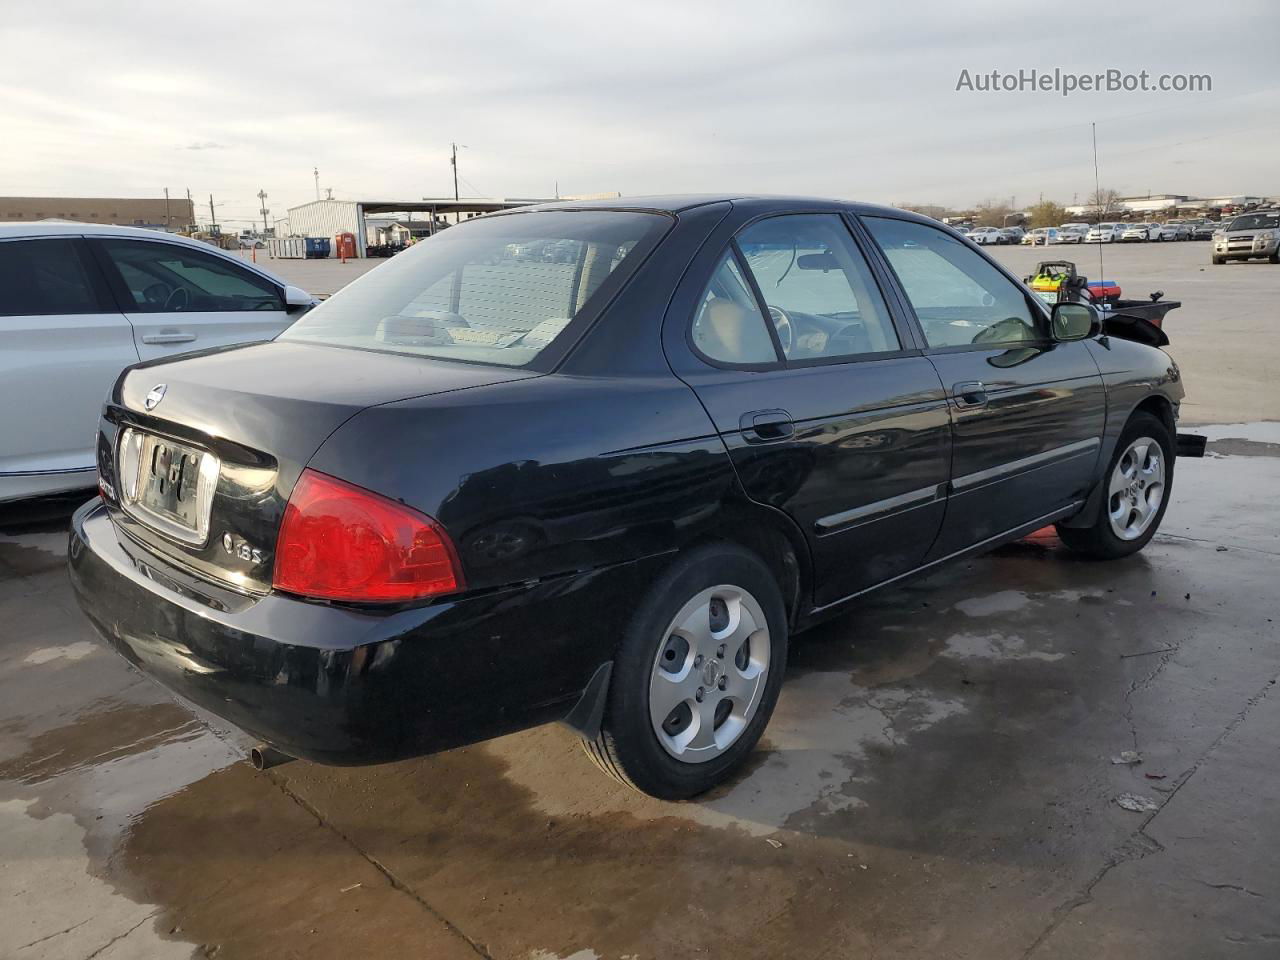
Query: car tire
[[1274, 258], [671, 758], [1127, 519], [1219, 261]]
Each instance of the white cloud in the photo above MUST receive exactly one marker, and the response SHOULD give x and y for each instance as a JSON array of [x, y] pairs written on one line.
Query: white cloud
[[823, 98]]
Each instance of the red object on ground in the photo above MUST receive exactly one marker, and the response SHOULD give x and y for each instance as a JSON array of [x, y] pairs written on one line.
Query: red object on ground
[[346, 244]]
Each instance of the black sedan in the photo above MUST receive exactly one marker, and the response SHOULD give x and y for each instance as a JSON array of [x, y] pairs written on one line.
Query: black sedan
[[476, 491]]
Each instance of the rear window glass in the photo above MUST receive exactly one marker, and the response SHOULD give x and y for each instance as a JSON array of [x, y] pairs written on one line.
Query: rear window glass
[[494, 290], [43, 277]]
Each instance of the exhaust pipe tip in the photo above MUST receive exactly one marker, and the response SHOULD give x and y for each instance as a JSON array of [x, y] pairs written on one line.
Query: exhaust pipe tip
[[264, 756]]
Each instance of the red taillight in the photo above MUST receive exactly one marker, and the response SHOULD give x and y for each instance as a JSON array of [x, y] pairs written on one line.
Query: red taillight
[[342, 542]]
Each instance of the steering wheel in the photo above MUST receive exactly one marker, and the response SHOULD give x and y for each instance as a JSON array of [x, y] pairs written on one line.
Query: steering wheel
[[786, 331], [178, 299], [155, 293]]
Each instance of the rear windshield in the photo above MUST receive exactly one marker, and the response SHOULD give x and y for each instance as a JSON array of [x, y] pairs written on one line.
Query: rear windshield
[[495, 290], [1255, 221]]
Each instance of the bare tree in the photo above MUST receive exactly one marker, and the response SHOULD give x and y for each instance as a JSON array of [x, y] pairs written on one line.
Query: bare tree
[[989, 213], [1104, 201], [934, 210]]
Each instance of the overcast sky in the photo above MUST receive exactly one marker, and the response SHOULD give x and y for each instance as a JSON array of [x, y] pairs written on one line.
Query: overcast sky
[[828, 98]]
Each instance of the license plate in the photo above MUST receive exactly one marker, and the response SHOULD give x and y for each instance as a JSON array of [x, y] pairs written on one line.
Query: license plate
[[167, 485]]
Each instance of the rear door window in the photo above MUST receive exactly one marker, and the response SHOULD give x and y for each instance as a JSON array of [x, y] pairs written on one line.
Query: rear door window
[[959, 297], [729, 327], [170, 278], [45, 278], [819, 291]]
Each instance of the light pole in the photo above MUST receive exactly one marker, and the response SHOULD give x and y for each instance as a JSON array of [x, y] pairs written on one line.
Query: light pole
[[453, 160]]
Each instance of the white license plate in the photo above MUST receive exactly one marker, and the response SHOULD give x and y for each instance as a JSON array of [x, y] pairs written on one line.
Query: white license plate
[[167, 485]]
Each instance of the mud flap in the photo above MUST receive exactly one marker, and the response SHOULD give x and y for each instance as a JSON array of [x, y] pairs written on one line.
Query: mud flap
[[587, 715], [1191, 444]]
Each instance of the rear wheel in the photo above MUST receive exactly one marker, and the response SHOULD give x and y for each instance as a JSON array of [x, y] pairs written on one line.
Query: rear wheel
[[1138, 482], [696, 677]]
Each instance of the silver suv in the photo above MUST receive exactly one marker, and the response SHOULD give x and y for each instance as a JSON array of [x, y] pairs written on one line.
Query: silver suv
[[1249, 236]]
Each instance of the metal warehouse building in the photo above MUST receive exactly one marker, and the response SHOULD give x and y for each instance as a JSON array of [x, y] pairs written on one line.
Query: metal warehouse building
[[328, 218], [160, 213]]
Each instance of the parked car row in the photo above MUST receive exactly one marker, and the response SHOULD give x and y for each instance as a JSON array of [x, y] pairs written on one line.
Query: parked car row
[[1106, 232], [992, 236]]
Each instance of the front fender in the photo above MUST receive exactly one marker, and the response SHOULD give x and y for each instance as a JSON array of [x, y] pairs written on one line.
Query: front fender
[[1135, 376]]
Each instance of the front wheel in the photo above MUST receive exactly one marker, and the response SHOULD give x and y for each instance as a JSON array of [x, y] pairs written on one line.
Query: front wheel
[[1219, 261], [1138, 482], [696, 676]]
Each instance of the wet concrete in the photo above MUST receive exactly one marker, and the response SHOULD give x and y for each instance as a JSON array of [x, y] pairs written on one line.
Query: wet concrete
[[938, 781]]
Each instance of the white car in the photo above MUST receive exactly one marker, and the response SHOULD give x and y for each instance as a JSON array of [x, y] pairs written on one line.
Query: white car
[[1072, 233], [1041, 236], [79, 303], [1104, 233], [1175, 231], [1141, 232], [985, 235]]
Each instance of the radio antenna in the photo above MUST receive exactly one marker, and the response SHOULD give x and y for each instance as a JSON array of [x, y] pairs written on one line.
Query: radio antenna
[[1097, 197]]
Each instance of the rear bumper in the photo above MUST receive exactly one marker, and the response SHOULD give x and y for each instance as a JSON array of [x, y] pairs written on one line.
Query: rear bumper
[[347, 686]]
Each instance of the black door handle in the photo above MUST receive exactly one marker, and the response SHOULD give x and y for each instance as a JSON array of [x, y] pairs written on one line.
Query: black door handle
[[970, 393], [763, 426]]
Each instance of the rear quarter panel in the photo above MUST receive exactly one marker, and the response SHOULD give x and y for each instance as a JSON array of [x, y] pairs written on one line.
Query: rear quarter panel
[[546, 476]]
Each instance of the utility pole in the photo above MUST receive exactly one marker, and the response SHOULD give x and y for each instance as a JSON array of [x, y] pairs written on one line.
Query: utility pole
[[168, 222], [192, 207], [316, 172], [262, 197], [457, 216], [454, 162], [213, 224]]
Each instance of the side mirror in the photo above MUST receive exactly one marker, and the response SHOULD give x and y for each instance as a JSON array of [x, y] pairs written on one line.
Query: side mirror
[[1074, 321], [295, 298]]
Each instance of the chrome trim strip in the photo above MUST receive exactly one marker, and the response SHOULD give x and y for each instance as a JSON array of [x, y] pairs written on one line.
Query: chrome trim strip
[[49, 473], [1067, 452], [904, 501]]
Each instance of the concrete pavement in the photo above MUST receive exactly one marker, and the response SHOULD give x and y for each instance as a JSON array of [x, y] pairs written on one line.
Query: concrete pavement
[[938, 781]]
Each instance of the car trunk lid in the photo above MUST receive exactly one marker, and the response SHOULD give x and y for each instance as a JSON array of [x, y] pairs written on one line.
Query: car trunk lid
[[200, 455]]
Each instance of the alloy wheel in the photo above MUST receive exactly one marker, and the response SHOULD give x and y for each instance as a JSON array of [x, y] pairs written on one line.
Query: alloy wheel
[[1136, 488], [709, 674]]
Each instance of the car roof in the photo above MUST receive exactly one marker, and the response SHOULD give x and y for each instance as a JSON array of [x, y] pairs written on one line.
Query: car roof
[[71, 228], [761, 202]]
